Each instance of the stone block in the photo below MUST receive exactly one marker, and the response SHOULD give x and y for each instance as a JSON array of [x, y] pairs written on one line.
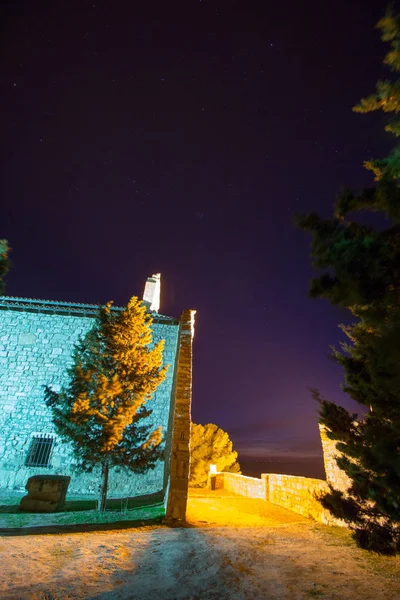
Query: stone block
[[46, 493], [29, 504]]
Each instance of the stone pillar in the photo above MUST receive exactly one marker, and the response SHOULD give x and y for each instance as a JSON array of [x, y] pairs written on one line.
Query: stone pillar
[[211, 481], [334, 475], [180, 445], [265, 480]]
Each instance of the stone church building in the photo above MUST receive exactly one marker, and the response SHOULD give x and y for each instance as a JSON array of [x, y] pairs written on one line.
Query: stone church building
[[37, 338]]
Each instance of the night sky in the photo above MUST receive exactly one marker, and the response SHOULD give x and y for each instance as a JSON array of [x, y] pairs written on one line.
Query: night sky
[[181, 137]]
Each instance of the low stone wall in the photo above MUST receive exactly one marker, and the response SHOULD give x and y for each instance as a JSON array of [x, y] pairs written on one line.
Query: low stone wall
[[299, 494], [250, 487]]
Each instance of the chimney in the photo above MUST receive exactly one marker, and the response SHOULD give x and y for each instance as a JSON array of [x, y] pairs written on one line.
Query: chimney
[[152, 289]]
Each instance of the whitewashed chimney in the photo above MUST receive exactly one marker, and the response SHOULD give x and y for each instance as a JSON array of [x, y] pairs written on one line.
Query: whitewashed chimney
[[152, 290]]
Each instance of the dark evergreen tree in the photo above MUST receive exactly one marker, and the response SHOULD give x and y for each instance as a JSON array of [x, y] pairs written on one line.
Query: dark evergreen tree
[[4, 263], [102, 411], [362, 274]]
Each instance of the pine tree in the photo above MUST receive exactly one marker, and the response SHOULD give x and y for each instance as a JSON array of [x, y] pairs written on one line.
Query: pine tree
[[4, 263], [363, 275], [210, 445], [102, 410], [387, 99]]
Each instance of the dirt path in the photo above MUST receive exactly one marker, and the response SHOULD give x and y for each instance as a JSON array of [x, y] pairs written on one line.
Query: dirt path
[[233, 549]]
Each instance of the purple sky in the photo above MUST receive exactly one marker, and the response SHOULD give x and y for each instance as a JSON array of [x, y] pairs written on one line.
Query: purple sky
[[181, 137]]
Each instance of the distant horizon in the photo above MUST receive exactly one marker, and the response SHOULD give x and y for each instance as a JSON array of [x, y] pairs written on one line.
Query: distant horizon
[[277, 442], [280, 458], [300, 467]]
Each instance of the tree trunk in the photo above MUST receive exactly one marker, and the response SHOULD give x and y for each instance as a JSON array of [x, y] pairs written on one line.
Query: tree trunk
[[103, 487]]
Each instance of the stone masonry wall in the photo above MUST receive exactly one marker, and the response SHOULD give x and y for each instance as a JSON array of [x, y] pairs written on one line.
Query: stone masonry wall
[[180, 449], [298, 494], [334, 475], [250, 487], [35, 350]]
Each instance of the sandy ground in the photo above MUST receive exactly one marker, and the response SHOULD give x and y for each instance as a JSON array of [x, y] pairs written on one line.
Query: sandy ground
[[233, 548]]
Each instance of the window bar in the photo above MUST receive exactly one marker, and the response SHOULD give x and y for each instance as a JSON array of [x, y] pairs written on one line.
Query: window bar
[[40, 451]]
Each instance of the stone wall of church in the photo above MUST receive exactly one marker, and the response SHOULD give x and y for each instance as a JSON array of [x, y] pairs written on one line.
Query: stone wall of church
[[35, 350]]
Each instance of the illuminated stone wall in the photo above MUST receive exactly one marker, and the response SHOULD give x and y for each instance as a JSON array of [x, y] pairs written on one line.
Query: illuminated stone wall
[[334, 475], [250, 487], [35, 349], [298, 494], [178, 479]]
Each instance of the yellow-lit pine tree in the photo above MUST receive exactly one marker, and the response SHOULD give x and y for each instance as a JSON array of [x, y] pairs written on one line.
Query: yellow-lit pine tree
[[210, 445], [103, 409]]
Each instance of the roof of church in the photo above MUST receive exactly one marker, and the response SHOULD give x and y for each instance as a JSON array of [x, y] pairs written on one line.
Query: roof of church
[[66, 308]]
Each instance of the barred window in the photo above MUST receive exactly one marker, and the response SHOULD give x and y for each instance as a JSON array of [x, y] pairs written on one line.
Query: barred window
[[40, 449]]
